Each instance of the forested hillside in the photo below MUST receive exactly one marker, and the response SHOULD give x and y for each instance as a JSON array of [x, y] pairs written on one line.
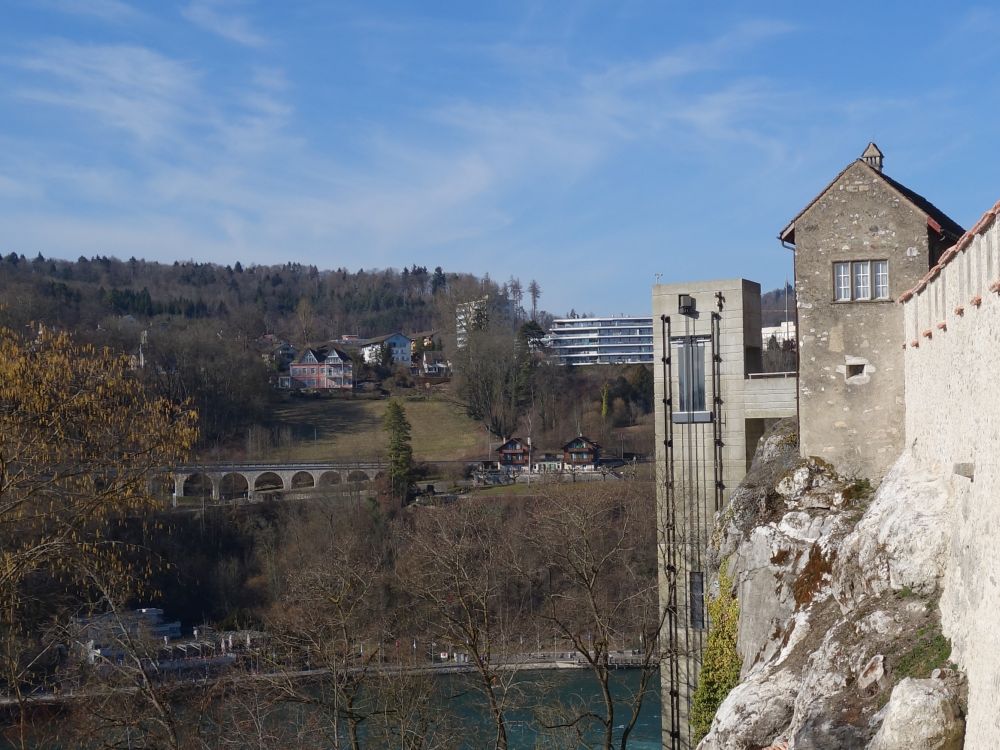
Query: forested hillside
[[293, 300], [773, 306], [197, 325]]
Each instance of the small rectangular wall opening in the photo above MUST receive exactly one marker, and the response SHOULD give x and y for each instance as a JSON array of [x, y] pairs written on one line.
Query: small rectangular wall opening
[[855, 370]]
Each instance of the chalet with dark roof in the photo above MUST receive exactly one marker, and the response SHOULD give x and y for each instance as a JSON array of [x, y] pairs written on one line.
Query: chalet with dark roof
[[515, 454], [581, 454], [859, 244]]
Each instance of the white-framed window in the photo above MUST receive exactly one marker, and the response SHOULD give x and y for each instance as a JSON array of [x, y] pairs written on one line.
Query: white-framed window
[[880, 272], [860, 280], [842, 282]]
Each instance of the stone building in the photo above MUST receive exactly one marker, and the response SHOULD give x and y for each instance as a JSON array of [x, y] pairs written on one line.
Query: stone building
[[712, 405], [859, 244]]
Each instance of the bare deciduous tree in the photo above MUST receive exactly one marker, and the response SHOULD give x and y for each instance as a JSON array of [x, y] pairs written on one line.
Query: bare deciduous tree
[[328, 673], [534, 291], [326, 620], [516, 295], [594, 548], [457, 565], [488, 380]]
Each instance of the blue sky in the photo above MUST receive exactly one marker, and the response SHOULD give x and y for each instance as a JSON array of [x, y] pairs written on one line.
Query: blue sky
[[587, 145]]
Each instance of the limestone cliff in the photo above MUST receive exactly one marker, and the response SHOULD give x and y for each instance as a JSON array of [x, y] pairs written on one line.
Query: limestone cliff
[[839, 633]]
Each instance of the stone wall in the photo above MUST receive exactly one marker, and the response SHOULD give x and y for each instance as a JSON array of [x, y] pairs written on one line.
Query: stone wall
[[856, 423], [951, 339]]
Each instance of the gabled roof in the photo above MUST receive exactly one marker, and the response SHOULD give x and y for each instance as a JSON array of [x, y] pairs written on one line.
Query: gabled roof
[[937, 219], [380, 339], [520, 444], [340, 353], [316, 354], [590, 443], [872, 152], [320, 353]]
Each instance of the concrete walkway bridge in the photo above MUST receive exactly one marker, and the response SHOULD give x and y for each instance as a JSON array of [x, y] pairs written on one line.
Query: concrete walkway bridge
[[231, 481]]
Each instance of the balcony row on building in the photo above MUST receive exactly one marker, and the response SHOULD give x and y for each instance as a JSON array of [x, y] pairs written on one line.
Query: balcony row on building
[[620, 340]]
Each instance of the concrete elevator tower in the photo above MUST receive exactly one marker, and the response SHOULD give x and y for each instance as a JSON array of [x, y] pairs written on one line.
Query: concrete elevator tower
[[712, 405]]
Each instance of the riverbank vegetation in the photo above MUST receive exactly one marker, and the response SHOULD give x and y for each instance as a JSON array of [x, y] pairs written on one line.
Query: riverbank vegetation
[[79, 440], [342, 593], [336, 597]]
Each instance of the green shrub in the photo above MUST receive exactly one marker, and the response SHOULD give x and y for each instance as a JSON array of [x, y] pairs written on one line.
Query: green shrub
[[860, 490], [720, 671], [929, 650]]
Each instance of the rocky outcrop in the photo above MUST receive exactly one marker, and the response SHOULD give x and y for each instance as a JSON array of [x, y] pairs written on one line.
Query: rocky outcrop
[[838, 588], [921, 713]]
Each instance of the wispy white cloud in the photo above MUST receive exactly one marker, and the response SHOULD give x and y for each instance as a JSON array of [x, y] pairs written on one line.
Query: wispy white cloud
[[115, 11], [127, 87], [711, 54], [222, 17], [226, 167], [568, 130], [11, 188], [270, 79], [741, 113], [227, 173]]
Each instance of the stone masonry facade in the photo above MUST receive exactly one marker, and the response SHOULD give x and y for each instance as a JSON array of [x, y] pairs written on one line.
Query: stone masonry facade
[[851, 386]]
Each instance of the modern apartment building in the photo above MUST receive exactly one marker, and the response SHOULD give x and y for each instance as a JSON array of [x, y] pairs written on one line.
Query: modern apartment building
[[470, 316], [601, 341]]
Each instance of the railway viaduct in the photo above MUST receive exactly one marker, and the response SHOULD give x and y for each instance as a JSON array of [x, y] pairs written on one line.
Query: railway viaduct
[[247, 480]]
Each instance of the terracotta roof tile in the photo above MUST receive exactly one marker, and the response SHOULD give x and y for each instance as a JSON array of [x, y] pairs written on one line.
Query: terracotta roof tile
[[948, 255]]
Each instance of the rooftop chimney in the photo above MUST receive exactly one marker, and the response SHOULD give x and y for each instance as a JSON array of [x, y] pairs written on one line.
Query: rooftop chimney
[[872, 156]]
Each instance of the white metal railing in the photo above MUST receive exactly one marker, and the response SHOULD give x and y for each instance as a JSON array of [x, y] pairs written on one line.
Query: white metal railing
[[761, 375]]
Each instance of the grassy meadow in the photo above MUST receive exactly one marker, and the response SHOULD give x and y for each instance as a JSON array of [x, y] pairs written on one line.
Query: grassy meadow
[[333, 429]]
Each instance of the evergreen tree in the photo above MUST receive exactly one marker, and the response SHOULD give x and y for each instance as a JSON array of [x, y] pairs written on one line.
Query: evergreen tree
[[385, 359], [438, 280], [400, 450]]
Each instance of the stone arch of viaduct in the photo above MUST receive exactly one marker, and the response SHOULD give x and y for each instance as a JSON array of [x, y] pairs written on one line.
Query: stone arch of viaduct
[[249, 480]]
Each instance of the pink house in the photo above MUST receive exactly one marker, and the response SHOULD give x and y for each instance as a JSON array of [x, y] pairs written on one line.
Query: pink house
[[326, 368]]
